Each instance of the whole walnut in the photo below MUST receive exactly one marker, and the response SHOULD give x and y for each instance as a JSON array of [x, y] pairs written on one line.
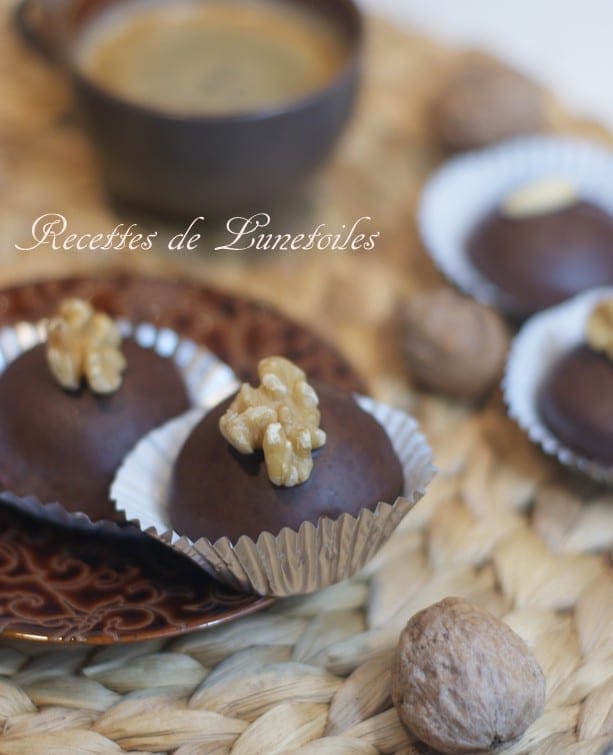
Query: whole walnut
[[463, 681], [483, 101], [454, 345]]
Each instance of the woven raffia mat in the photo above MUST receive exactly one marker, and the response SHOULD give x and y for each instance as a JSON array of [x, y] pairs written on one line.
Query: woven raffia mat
[[500, 525]]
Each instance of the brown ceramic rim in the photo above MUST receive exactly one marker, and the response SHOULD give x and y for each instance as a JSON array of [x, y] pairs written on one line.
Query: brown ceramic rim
[[93, 597]]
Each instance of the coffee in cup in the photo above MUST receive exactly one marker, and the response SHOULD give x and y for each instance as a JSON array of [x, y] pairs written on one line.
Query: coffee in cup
[[217, 57]]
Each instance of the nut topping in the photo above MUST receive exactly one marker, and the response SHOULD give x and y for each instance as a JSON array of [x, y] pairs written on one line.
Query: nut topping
[[280, 416], [83, 343], [539, 198], [599, 328]]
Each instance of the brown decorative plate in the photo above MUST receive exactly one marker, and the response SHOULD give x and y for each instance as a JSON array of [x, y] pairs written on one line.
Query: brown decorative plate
[[63, 585]]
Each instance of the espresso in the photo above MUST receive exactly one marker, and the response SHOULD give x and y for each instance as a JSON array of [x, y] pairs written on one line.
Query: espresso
[[210, 57]]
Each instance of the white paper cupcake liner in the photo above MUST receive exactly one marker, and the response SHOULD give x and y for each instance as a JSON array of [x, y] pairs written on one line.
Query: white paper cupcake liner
[[543, 339], [291, 562], [466, 188], [207, 378]]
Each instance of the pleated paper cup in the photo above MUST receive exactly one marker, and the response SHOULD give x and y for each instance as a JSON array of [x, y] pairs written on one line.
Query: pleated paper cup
[[207, 378], [290, 562], [543, 339], [466, 188]]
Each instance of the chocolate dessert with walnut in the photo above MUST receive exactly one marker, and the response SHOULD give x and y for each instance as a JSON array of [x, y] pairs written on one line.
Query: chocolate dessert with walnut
[[575, 400], [259, 462], [71, 408], [542, 245]]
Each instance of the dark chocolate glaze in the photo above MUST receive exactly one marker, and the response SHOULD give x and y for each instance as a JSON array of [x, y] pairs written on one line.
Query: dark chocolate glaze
[[216, 491], [576, 403], [66, 445], [538, 261]]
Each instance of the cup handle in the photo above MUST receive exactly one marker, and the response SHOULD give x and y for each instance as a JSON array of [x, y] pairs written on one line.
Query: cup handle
[[37, 25]]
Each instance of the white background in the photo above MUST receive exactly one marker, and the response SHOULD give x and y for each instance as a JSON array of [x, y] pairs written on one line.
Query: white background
[[566, 44]]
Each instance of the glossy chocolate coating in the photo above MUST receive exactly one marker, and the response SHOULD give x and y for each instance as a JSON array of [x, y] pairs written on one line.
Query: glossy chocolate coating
[[65, 446], [576, 403], [538, 261], [218, 492]]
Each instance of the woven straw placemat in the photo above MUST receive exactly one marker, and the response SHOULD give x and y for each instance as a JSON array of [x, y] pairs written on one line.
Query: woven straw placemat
[[500, 525]]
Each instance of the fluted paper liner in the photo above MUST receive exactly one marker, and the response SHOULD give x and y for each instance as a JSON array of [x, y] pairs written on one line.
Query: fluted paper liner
[[207, 378], [291, 562], [461, 193], [543, 339]]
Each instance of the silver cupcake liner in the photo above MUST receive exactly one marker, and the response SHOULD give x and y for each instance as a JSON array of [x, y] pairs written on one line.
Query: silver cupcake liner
[[207, 378], [467, 187], [543, 339], [291, 562]]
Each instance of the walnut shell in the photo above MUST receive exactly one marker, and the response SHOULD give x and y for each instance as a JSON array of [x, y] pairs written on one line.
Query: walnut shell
[[454, 345], [463, 681], [483, 101]]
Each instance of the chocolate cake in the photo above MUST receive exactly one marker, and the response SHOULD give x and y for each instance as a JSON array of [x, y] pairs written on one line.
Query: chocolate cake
[[575, 401], [65, 445], [538, 259], [217, 491]]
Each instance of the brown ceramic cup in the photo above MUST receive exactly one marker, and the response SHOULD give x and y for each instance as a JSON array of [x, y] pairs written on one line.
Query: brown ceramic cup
[[203, 165]]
